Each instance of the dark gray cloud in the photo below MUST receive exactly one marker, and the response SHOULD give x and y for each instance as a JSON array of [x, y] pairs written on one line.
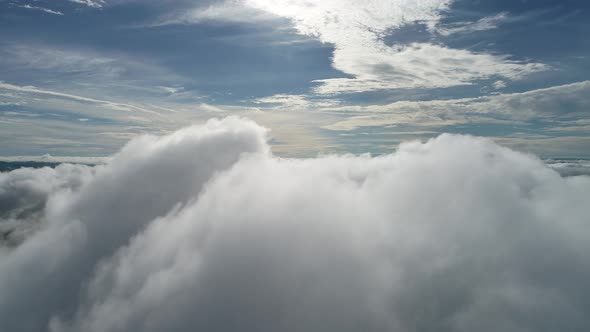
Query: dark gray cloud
[[206, 230]]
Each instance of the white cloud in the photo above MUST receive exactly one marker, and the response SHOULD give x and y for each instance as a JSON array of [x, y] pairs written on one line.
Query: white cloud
[[229, 11], [90, 69], [356, 29], [285, 100], [552, 104], [46, 10], [499, 85], [24, 192], [569, 100], [109, 104], [192, 156], [295, 102], [90, 3], [206, 230], [172, 90], [485, 23], [39, 57], [417, 65]]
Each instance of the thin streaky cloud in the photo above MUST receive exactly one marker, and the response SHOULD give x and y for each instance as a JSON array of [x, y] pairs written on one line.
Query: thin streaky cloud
[[90, 3], [113, 105], [46, 10]]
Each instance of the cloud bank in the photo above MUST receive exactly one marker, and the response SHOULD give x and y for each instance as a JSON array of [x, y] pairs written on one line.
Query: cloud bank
[[205, 229]]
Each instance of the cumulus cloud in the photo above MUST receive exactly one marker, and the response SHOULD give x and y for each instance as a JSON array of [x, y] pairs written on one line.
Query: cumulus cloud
[[205, 229], [24, 192]]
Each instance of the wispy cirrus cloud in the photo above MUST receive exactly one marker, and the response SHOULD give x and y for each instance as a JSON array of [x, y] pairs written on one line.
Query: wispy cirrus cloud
[[43, 58], [92, 73], [43, 9], [90, 3], [31, 90], [231, 12], [295, 102], [484, 23]]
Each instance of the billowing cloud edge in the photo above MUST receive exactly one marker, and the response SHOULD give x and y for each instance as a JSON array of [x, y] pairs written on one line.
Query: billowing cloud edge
[[204, 228]]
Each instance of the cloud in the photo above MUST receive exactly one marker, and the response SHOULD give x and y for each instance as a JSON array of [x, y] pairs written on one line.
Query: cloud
[[357, 31], [205, 229], [485, 23], [224, 11], [563, 146], [90, 3], [417, 65], [554, 104], [569, 100], [105, 103], [499, 85], [295, 102], [24, 192], [192, 156], [570, 167], [46, 10], [48, 158], [172, 90], [71, 62], [71, 68]]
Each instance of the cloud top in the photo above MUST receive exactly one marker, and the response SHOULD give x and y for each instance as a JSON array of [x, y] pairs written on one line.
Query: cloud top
[[205, 229]]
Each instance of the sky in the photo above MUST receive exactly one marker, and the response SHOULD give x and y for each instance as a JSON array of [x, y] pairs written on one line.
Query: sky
[[294, 165], [82, 77]]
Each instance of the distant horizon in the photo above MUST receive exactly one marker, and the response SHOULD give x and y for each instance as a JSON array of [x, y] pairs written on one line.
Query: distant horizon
[[95, 159]]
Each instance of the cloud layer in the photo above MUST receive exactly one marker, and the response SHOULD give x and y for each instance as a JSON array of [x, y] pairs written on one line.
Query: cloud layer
[[205, 229], [563, 106]]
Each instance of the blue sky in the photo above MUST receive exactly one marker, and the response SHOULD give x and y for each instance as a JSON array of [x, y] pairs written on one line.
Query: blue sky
[[82, 77]]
